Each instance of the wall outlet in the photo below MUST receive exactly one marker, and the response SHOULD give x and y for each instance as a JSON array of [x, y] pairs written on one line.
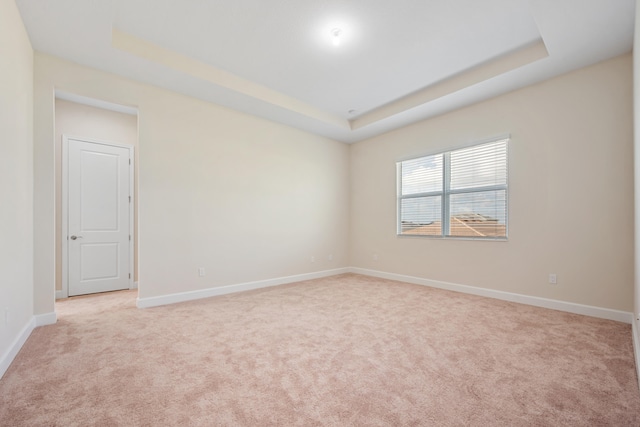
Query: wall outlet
[[375, 257], [330, 257], [201, 271], [553, 279], [312, 259]]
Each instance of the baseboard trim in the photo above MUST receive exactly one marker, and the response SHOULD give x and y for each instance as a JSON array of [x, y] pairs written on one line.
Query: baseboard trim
[[15, 346], [587, 310], [45, 319], [59, 294], [223, 290]]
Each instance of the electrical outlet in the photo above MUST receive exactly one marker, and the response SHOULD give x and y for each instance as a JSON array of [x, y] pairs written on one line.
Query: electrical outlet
[[313, 258], [201, 271], [330, 257], [553, 279], [375, 257]]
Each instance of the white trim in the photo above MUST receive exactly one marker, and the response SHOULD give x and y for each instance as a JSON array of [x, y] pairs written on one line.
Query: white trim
[[93, 102], [636, 346], [45, 319], [587, 310], [458, 146], [64, 292], [132, 202], [240, 287], [15, 346]]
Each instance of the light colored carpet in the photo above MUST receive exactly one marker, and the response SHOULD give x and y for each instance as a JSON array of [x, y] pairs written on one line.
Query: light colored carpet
[[344, 350]]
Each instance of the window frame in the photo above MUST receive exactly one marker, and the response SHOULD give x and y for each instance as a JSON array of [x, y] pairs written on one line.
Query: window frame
[[446, 192]]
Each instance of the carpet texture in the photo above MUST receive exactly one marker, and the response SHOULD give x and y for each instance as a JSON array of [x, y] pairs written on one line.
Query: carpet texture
[[339, 351]]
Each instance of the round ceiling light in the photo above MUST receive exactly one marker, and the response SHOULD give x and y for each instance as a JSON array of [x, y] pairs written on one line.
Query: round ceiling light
[[335, 36]]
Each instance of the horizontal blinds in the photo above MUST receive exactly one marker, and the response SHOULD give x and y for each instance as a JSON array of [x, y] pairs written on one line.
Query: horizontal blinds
[[479, 166], [478, 214], [422, 175], [421, 215], [473, 203], [477, 201]]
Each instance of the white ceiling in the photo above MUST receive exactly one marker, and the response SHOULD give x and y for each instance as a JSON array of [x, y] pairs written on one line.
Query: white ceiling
[[398, 62]]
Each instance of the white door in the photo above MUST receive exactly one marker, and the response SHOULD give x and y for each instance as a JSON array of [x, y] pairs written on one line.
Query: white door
[[99, 217]]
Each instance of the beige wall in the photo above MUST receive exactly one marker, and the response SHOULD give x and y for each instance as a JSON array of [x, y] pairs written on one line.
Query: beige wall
[[16, 178], [83, 121], [636, 143], [570, 187], [246, 198], [249, 199]]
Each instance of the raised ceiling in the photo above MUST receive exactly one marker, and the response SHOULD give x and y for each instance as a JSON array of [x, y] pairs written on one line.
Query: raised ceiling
[[398, 62]]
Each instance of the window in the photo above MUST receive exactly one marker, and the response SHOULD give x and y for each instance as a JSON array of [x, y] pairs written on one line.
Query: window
[[459, 193]]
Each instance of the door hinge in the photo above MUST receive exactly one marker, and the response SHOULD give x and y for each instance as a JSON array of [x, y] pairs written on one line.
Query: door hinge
[[129, 275], [129, 161], [129, 199], [129, 237]]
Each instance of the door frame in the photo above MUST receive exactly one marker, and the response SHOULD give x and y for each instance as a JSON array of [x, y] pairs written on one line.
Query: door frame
[[65, 206]]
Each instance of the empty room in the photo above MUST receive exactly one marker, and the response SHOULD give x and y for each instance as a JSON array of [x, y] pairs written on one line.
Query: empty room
[[365, 213]]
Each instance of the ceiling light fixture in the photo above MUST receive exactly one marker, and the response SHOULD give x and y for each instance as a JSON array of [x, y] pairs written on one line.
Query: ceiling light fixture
[[335, 36]]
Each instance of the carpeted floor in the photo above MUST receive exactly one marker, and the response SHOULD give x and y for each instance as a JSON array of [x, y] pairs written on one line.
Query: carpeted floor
[[340, 351]]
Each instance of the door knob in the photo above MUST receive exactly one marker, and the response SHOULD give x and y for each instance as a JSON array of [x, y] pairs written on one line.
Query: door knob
[[75, 237]]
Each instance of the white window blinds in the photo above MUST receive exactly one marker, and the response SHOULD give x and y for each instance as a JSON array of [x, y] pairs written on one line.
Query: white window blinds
[[459, 193]]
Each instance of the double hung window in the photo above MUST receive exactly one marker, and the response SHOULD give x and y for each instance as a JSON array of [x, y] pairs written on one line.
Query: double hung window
[[458, 193]]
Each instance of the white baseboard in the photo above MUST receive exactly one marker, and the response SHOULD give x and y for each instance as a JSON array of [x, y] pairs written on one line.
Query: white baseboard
[[45, 319], [635, 331], [587, 310], [59, 294], [603, 313], [212, 292], [15, 346]]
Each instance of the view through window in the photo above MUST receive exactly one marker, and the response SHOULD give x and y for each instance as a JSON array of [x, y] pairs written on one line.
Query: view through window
[[458, 193]]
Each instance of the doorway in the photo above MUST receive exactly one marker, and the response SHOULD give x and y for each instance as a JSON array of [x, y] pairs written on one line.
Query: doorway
[[84, 259], [97, 214]]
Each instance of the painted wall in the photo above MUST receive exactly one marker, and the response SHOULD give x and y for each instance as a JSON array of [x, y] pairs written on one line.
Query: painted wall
[[636, 147], [245, 198], [570, 187], [16, 179], [95, 123]]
